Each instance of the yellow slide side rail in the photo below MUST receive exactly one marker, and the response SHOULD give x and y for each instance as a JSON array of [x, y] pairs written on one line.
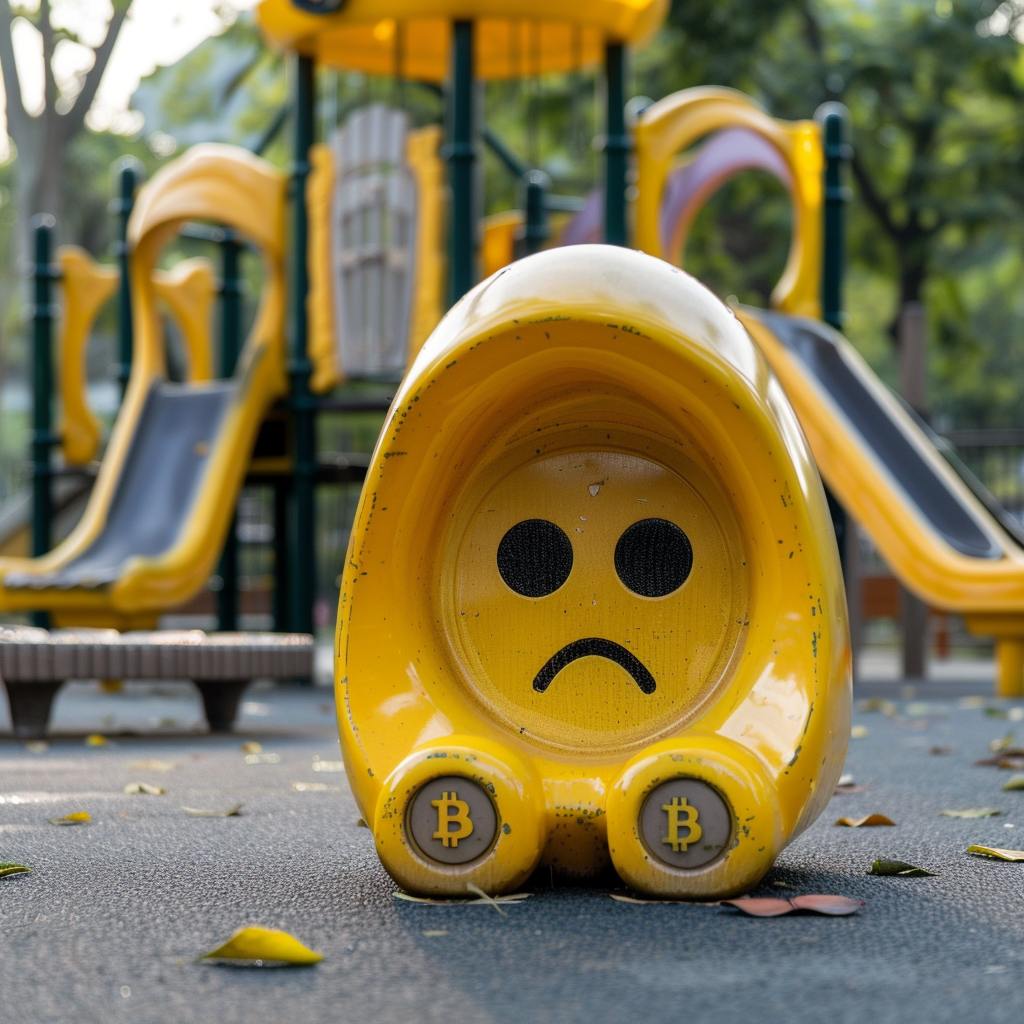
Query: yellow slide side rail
[[680, 120], [186, 292]]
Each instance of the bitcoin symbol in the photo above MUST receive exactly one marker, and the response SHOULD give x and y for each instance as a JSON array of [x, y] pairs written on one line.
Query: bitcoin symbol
[[451, 810], [681, 815]]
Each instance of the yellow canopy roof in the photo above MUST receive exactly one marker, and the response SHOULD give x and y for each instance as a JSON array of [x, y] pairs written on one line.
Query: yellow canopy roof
[[514, 38]]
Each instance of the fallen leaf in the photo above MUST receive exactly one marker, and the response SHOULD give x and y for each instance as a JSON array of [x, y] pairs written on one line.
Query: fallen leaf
[[96, 740], [203, 812], [1012, 761], [37, 746], [74, 818], [899, 868], [971, 703], [769, 906], [252, 747], [940, 751], [886, 707], [515, 897], [972, 812], [763, 906], [833, 906], [13, 869], [988, 851], [622, 898], [258, 947], [868, 821], [997, 713], [262, 758], [152, 765], [1003, 745], [1015, 782], [858, 732], [434, 933], [361, 823], [144, 789]]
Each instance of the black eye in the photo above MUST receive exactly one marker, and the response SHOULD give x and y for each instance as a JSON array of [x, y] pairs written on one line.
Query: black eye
[[535, 558], [653, 557]]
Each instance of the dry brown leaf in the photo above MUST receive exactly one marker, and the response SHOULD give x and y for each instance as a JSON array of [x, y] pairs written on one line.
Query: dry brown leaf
[[868, 821], [996, 853]]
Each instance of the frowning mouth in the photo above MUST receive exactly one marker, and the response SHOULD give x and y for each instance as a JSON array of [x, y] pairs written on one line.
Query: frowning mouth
[[594, 647]]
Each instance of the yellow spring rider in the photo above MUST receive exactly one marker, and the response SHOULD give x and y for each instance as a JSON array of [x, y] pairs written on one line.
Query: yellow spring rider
[[592, 609]]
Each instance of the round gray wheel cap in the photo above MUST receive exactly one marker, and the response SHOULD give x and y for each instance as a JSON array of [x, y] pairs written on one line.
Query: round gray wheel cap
[[685, 823], [451, 820]]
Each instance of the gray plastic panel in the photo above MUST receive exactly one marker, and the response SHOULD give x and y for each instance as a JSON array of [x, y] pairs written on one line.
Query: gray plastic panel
[[157, 489], [819, 351]]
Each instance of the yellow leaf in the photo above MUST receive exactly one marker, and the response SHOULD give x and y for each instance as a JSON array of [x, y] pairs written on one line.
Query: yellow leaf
[[868, 821], [13, 869], [144, 789], [96, 740], [258, 946], [1015, 782], [996, 853], [74, 818]]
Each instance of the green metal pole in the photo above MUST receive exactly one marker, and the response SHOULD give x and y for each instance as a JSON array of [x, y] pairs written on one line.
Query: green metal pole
[[616, 145], [44, 315], [460, 153], [127, 174], [535, 213], [230, 346], [832, 117], [302, 546]]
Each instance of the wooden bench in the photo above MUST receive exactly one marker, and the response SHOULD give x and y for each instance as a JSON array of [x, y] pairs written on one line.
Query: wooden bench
[[35, 663]]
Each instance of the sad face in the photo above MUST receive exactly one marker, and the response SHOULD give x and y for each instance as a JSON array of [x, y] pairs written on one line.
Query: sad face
[[596, 595]]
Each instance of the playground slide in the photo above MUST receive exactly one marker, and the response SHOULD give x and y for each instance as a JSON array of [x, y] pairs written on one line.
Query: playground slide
[[947, 542], [162, 503]]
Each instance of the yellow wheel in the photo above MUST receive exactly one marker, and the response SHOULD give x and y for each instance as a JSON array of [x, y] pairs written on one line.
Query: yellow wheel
[[459, 812], [693, 818]]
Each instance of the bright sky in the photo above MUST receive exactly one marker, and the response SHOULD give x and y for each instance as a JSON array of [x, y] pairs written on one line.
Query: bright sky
[[156, 33]]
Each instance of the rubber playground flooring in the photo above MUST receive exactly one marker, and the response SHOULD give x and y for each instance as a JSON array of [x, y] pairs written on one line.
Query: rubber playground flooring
[[108, 924]]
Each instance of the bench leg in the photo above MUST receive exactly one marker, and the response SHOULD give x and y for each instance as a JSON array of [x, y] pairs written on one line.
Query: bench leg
[[220, 702], [30, 705]]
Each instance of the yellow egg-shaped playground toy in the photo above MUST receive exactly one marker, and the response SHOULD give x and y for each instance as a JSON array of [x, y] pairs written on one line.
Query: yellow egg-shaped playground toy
[[592, 609]]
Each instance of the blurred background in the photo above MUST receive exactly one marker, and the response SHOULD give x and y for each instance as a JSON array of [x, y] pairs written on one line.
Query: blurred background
[[935, 90]]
